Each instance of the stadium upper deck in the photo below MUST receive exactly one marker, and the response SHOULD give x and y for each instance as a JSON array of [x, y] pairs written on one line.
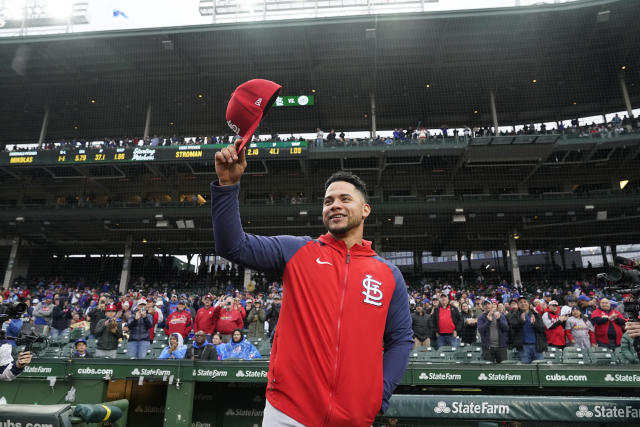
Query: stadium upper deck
[[429, 68]]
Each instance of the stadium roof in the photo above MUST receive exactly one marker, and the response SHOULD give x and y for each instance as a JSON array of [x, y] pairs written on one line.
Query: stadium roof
[[574, 52]]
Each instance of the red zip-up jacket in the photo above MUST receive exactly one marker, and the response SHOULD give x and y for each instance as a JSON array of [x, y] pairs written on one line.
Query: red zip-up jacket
[[603, 325], [554, 328], [179, 321], [205, 321], [344, 334]]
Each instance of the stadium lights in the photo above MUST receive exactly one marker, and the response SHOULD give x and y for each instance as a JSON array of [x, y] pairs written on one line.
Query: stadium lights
[[163, 223], [189, 224], [303, 212], [180, 224], [159, 216], [20, 219], [516, 236], [624, 67], [623, 183], [588, 207], [459, 210], [601, 216], [534, 81], [398, 220], [144, 240], [459, 218]]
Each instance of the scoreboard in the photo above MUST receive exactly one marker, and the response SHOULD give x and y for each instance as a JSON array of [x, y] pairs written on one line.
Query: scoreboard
[[177, 153]]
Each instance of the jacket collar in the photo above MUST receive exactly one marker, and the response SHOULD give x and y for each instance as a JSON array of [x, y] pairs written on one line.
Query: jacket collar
[[363, 249]]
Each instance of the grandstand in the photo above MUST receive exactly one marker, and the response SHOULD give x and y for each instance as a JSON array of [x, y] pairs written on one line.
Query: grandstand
[[498, 144]]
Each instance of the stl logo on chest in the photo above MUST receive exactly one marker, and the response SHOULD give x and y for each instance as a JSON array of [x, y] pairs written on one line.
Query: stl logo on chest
[[372, 293]]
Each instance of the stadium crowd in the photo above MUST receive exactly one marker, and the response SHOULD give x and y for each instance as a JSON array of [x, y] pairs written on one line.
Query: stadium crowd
[[411, 135], [226, 322]]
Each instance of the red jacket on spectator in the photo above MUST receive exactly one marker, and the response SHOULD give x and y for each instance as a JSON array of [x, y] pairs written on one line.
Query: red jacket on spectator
[[179, 321], [601, 325], [205, 321], [554, 329], [226, 321], [152, 331]]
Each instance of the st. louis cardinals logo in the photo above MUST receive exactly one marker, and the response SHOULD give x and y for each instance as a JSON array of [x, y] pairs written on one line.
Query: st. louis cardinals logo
[[372, 293]]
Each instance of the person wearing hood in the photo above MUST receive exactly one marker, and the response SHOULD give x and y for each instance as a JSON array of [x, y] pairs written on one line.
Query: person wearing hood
[[176, 348], [201, 349], [60, 317], [44, 311], [238, 347]]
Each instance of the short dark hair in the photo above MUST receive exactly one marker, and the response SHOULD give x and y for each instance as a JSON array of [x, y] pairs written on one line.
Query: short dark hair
[[351, 178]]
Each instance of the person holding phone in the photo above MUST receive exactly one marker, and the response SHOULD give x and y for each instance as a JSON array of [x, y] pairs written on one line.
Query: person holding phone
[[140, 322]]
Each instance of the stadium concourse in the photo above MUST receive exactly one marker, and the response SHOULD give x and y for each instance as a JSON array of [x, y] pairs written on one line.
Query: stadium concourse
[[501, 152]]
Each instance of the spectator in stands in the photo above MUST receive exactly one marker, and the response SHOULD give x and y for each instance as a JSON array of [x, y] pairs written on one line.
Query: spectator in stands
[[331, 138], [60, 317], [528, 332], [216, 341], [140, 322], [580, 331], [238, 347], [445, 322], [227, 319], [176, 348], [255, 320], [273, 314], [81, 349], [319, 138], [554, 325], [205, 320], [608, 323], [422, 327], [108, 332], [95, 315], [587, 306], [44, 311], [627, 351], [180, 320], [77, 322], [201, 349], [468, 326], [494, 329]]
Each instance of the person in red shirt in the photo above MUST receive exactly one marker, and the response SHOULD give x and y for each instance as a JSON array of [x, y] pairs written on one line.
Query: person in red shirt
[[609, 325], [180, 320], [227, 318], [446, 318], [554, 326], [205, 320]]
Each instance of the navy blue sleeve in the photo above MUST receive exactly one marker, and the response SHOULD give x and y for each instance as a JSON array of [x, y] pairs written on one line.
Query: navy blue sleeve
[[398, 338], [263, 253]]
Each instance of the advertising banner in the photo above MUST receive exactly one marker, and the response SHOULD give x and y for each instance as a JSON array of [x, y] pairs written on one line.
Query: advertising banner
[[520, 408]]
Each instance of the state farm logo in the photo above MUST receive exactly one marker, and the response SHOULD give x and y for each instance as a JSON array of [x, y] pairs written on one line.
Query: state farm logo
[[211, 373], [149, 372], [442, 408], [584, 412], [499, 377], [37, 369], [237, 412], [251, 374], [634, 378], [440, 376]]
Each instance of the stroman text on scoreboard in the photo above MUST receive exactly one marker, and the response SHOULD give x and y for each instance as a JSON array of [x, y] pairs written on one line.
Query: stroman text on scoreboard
[[145, 154]]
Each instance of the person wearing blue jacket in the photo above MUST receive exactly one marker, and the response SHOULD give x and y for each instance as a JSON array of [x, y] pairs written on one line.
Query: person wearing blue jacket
[[140, 323], [176, 348], [238, 347], [494, 333]]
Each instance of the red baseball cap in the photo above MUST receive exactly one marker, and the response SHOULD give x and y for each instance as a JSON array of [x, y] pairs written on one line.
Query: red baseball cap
[[110, 307], [248, 105]]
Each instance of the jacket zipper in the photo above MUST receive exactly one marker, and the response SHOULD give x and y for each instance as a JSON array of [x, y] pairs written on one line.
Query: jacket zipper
[[335, 365]]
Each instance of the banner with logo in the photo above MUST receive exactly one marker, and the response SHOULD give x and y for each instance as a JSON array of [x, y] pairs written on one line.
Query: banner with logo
[[107, 370], [602, 376], [520, 408], [255, 372], [45, 369], [477, 375]]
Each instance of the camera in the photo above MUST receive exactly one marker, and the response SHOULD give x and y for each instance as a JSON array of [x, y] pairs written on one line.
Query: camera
[[12, 310]]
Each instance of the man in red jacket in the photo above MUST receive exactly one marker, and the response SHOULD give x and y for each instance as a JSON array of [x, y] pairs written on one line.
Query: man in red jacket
[[609, 324], [179, 321], [205, 320], [227, 318], [554, 326], [344, 334]]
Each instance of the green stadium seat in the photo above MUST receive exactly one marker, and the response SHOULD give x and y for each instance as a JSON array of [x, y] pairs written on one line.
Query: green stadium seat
[[603, 358], [446, 349]]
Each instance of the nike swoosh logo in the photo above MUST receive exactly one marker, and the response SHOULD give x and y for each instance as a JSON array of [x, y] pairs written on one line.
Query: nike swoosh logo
[[322, 262]]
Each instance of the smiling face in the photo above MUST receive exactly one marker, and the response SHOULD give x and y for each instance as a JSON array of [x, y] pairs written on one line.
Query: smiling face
[[344, 210]]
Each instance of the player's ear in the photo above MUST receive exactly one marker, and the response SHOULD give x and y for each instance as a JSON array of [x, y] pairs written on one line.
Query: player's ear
[[366, 210]]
